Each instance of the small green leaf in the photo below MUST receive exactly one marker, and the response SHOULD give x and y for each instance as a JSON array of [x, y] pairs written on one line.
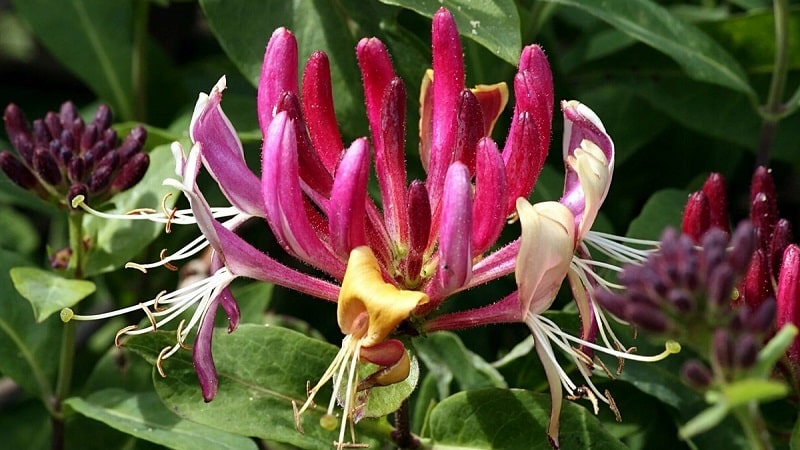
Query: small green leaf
[[699, 56], [749, 390], [48, 292], [774, 350], [445, 355], [493, 24], [115, 242], [261, 371], [28, 351], [387, 399], [18, 234], [93, 38], [511, 418], [706, 420], [144, 416]]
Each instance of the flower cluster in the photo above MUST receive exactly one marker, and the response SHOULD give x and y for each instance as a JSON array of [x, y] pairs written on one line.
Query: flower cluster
[[773, 272], [429, 239], [60, 157]]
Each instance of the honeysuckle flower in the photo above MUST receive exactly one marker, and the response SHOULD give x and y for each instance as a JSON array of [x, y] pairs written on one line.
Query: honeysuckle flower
[[555, 245], [428, 240], [788, 299]]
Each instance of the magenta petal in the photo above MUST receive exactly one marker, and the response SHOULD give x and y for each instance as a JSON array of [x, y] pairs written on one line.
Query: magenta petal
[[390, 160], [311, 169], [419, 219], [319, 111], [278, 74], [488, 210], [533, 63], [448, 82], [581, 123], [283, 198], [226, 298], [224, 157], [347, 207], [520, 157], [455, 256], [787, 298], [201, 353], [376, 73]]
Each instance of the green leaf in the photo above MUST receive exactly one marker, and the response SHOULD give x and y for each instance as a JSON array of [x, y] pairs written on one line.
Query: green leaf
[[493, 24], [748, 390], [697, 54], [261, 371], [93, 38], [663, 209], [243, 28], [48, 292], [387, 399], [115, 242], [18, 234], [28, 351], [774, 350], [144, 416], [503, 418], [445, 356], [706, 420]]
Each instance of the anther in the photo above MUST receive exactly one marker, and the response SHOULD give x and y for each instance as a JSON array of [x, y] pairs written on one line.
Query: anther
[[157, 308], [180, 339], [160, 360], [119, 334], [163, 256], [613, 406], [140, 211], [296, 413], [169, 213], [133, 265], [150, 316]]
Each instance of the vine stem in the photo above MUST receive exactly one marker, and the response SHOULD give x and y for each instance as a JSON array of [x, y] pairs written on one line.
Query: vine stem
[[402, 433], [751, 422], [138, 63], [773, 110]]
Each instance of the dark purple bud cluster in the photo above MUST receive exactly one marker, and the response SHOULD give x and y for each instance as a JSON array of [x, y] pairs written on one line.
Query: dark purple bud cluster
[[682, 281], [59, 156], [688, 292]]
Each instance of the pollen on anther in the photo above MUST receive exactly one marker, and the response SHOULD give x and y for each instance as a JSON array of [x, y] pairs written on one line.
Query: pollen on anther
[[119, 334], [180, 339], [133, 265], [168, 265], [150, 316], [169, 213], [160, 360], [156, 306]]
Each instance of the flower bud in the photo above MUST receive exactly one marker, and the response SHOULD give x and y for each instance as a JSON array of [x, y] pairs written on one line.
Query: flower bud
[[41, 135], [102, 118], [75, 170], [76, 190], [696, 374], [53, 124], [720, 284], [743, 242], [746, 351], [648, 318], [714, 189], [696, 216], [46, 166], [89, 137], [17, 172], [761, 320], [780, 239], [722, 348], [99, 179], [758, 281], [787, 297], [132, 172]]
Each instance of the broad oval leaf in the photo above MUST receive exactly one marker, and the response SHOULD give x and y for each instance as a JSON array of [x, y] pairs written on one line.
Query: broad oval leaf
[[93, 38], [144, 416], [28, 351], [261, 371], [511, 418], [48, 292], [493, 24], [662, 209], [115, 242], [699, 56]]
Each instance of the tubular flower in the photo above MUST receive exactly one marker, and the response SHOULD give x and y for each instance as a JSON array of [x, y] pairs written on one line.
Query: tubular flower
[[429, 239], [555, 245]]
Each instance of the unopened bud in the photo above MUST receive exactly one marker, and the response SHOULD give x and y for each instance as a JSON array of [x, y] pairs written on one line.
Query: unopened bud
[[68, 113], [68, 140], [696, 374], [764, 214], [129, 147], [102, 118], [761, 320], [53, 124], [110, 137], [714, 188], [720, 284], [743, 242], [648, 318], [46, 166], [696, 216], [16, 124], [680, 299], [722, 348], [40, 133], [612, 302], [787, 297], [758, 281], [131, 173], [110, 160], [89, 137], [781, 238], [100, 179], [17, 172], [746, 351], [75, 170]]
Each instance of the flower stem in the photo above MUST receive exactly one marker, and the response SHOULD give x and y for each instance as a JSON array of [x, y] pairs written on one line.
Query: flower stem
[[138, 65], [402, 433], [753, 425], [76, 243], [772, 111]]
